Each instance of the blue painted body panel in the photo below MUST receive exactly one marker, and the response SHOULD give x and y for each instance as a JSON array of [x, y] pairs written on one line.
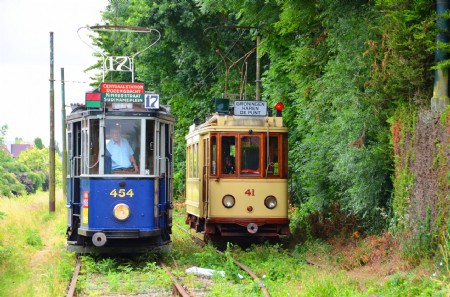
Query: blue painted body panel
[[102, 203]]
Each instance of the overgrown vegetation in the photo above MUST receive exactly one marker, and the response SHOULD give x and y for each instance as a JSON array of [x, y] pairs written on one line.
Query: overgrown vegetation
[[355, 77], [33, 263], [29, 172], [352, 75], [139, 275], [32, 240]]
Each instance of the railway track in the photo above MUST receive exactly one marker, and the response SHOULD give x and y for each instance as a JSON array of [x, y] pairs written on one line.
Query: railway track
[[99, 283], [73, 282], [256, 279], [177, 290]]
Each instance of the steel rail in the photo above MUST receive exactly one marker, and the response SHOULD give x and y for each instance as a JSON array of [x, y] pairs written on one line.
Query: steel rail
[[73, 282], [178, 287], [240, 265]]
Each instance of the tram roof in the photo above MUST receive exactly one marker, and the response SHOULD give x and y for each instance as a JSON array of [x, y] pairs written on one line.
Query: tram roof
[[233, 123], [81, 112]]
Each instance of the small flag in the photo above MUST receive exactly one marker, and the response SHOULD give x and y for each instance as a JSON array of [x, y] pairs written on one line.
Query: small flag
[[93, 100]]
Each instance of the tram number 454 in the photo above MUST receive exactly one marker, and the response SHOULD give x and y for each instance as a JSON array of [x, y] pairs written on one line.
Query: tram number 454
[[250, 192], [121, 193]]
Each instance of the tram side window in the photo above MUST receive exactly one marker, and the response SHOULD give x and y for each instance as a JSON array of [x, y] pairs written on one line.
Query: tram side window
[[213, 155], [85, 148], [272, 157], [122, 146], [150, 145], [189, 155], [250, 150], [228, 155], [94, 144], [193, 160]]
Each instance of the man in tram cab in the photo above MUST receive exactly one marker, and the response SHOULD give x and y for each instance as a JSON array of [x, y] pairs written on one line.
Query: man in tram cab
[[229, 165], [122, 155]]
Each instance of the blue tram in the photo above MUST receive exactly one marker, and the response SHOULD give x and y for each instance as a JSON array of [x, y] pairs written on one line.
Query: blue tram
[[119, 203]]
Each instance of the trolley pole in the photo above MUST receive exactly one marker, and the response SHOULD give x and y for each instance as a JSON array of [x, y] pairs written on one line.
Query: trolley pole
[[63, 128], [51, 154], [258, 70]]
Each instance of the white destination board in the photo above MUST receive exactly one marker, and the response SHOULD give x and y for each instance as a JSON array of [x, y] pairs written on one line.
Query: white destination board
[[151, 101], [250, 108]]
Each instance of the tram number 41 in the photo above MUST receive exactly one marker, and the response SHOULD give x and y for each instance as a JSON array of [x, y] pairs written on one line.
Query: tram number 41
[[250, 192], [121, 193]]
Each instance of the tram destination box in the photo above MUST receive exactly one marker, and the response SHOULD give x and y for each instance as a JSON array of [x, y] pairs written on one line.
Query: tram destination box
[[250, 108]]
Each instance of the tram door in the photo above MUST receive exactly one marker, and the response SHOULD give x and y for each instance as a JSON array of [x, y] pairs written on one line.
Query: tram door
[[166, 175], [205, 176], [73, 179]]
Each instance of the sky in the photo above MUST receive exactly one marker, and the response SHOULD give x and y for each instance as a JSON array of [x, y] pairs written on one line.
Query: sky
[[25, 28]]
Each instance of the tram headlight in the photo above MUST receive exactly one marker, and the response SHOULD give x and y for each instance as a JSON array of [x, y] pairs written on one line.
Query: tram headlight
[[121, 211], [270, 202], [228, 201]]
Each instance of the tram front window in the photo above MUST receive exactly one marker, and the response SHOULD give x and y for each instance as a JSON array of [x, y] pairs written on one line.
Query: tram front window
[[250, 149], [272, 157], [122, 146], [228, 154]]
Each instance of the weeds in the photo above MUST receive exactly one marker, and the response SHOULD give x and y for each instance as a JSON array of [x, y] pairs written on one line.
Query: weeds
[[33, 238], [32, 259], [232, 271], [48, 274], [135, 275], [443, 282]]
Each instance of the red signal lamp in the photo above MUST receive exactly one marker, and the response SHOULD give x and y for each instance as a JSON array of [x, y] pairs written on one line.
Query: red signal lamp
[[279, 107]]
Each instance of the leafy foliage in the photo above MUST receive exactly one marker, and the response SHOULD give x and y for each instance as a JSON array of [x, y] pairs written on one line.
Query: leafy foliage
[[3, 130], [38, 143], [9, 183], [37, 162], [340, 67], [28, 173]]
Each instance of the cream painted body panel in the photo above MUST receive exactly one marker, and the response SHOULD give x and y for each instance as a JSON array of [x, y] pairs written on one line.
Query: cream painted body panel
[[213, 189], [194, 204], [257, 190]]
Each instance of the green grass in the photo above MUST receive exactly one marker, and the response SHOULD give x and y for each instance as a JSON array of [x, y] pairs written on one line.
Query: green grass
[[134, 275], [33, 260]]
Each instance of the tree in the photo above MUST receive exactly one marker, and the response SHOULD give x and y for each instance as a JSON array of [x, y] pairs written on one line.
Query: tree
[[38, 143], [3, 131], [36, 160], [9, 171], [340, 81]]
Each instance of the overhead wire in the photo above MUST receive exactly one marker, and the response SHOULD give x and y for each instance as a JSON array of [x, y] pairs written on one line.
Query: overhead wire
[[201, 82]]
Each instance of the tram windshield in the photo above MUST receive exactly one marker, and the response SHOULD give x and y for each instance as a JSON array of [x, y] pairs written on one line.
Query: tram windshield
[[119, 146], [252, 155], [122, 151]]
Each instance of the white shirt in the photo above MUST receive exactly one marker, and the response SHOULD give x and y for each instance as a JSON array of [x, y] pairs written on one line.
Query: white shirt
[[120, 153]]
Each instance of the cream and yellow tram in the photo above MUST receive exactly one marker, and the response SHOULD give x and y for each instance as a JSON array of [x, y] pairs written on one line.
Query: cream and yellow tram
[[237, 174]]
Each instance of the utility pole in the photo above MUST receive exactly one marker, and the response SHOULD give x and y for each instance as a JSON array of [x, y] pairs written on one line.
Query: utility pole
[[63, 128], [51, 154]]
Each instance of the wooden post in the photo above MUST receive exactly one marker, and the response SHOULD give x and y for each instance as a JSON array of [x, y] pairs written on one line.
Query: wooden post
[[63, 128], [51, 155]]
